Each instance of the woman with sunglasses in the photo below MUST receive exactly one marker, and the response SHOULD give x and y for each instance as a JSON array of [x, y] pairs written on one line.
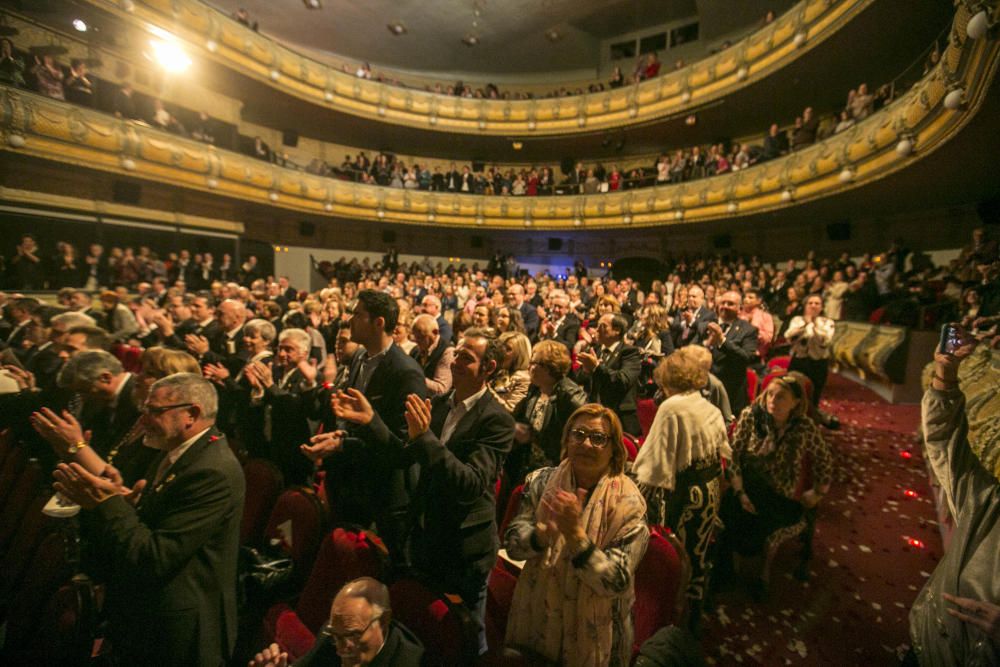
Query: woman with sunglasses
[[776, 449], [581, 531]]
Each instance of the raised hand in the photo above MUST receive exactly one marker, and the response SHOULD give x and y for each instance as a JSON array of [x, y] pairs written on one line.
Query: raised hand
[[588, 360], [352, 406], [308, 369], [565, 508], [60, 431], [83, 488], [217, 373], [322, 445], [984, 615], [418, 416], [196, 345], [272, 656]]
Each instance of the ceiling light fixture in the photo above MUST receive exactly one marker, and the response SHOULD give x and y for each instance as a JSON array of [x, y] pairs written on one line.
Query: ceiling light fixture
[[313, 4], [978, 25], [553, 35], [517, 145], [80, 25], [170, 56], [396, 28], [470, 40]]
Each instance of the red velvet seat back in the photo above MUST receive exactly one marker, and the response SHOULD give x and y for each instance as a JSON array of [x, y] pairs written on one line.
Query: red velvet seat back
[[631, 446], [297, 522], [499, 595], [513, 503], [344, 556], [23, 492], [660, 583], [446, 628], [646, 411], [47, 571], [752, 382], [129, 356], [17, 556], [264, 482], [779, 362]]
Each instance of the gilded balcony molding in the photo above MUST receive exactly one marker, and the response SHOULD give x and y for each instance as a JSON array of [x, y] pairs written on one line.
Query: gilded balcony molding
[[749, 60], [53, 130]]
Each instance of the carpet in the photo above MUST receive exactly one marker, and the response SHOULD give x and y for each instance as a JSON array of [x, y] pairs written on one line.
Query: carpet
[[876, 542]]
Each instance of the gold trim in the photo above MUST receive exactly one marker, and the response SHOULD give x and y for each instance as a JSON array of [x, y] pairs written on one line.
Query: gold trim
[[54, 130], [222, 39]]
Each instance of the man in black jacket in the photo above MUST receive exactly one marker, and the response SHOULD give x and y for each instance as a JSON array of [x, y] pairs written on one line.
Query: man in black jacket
[[360, 632], [460, 441], [172, 594], [690, 324], [529, 314], [362, 487], [611, 372], [561, 325], [733, 343]]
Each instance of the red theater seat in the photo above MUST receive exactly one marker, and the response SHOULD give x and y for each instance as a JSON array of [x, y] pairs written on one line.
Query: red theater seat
[[631, 446], [344, 555], [22, 496], [47, 571], [265, 482], [778, 362], [443, 624], [296, 523], [660, 584], [646, 411], [752, 382], [499, 595], [513, 503]]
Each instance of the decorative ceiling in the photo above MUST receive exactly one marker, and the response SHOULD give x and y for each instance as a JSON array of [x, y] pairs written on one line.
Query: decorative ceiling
[[511, 33]]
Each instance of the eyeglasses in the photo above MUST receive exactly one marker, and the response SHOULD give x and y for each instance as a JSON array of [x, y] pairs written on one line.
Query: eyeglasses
[[354, 636], [597, 439], [157, 410]]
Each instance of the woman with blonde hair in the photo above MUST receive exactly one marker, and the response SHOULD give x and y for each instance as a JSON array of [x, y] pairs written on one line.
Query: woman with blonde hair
[[581, 531], [679, 467], [511, 382]]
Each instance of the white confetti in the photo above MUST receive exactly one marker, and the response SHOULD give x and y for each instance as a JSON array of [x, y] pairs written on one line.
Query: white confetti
[[833, 563], [876, 606], [865, 549], [799, 647]]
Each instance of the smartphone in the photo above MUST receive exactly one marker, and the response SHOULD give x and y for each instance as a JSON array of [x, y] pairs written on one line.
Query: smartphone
[[952, 338]]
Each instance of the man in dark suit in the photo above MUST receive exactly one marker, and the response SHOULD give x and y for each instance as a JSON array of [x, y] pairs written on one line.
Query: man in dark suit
[[108, 411], [733, 343], [611, 371], [689, 325], [283, 392], [561, 325], [21, 312], [363, 487], [432, 306], [171, 598], [360, 612], [529, 314], [460, 441]]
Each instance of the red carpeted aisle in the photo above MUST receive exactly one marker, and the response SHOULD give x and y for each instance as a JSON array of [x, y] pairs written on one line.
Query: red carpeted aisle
[[865, 572]]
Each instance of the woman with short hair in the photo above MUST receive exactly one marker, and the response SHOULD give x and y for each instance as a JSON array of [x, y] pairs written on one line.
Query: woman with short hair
[[679, 467], [581, 531], [541, 415]]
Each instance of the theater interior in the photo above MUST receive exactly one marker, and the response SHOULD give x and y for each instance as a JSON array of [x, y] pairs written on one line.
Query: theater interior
[[625, 150]]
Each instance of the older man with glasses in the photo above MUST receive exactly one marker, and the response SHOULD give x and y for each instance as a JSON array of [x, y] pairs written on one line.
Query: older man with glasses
[[360, 632], [171, 552]]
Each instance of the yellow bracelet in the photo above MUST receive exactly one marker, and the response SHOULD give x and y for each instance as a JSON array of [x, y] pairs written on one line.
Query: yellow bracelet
[[77, 446]]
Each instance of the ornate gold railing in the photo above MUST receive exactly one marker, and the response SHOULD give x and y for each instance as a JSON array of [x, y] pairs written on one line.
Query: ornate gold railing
[[869, 151], [751, 59]]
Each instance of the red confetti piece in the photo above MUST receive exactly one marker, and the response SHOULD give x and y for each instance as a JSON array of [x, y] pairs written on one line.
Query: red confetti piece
[[906, 454], [910, 493]]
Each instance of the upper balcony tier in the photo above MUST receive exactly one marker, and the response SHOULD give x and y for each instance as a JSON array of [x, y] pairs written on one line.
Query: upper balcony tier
[[910, 129], [769, 49]]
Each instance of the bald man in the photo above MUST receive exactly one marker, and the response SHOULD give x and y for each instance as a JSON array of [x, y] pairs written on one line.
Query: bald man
[[733, 343], [360, 632], [433, 353], [689, 326]]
